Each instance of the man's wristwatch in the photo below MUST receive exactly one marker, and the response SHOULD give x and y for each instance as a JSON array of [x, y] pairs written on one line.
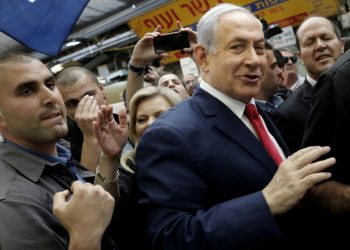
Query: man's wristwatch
[[137, 70]]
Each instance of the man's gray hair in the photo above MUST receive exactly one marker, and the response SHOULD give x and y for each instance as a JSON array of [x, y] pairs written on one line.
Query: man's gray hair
[[207, 25]]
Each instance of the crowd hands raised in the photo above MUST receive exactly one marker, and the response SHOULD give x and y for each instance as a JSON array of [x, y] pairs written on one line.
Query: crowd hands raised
[[186, 189]]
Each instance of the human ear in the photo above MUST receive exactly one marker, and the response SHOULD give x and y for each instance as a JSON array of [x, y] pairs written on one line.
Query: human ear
[[201, 56]]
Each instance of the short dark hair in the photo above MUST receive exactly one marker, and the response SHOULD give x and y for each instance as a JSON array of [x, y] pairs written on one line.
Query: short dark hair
[[17, 57], [69, 75], [171, 73]]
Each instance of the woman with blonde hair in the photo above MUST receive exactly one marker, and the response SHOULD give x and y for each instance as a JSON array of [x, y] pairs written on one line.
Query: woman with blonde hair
[[146, 105]]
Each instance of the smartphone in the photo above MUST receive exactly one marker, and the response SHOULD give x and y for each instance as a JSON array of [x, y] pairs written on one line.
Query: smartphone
[[171, 41]]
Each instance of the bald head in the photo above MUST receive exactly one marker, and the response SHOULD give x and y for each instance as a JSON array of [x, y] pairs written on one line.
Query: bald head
[[320, 45]]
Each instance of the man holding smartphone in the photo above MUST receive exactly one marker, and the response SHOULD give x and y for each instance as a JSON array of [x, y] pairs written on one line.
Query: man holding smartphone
[[144, 53], [171, 41]]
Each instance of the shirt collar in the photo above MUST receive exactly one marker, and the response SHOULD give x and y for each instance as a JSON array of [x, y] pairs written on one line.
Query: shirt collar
[[35, 162], [311, 81], [23, 161], [234, 105], [63, 154]]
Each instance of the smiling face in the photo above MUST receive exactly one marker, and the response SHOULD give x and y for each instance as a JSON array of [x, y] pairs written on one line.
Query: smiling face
[[237, 62], [319, 45], [148, 111], [173, 82], [32, 111]]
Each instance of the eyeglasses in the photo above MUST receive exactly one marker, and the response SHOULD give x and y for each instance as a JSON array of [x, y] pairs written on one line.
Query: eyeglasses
[[293, 59]]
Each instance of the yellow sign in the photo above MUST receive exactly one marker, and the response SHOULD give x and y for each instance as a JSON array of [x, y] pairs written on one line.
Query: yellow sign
[[283, 12]]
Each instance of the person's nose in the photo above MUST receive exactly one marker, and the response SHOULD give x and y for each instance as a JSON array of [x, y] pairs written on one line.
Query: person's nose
[[252, 58], [49, 96], [171, 85], [151, 120], [289, 61], [320, 44], [279, 73]]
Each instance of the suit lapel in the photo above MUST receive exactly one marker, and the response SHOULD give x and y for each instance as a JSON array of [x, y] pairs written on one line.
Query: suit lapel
[[306, 95], [224, 120]]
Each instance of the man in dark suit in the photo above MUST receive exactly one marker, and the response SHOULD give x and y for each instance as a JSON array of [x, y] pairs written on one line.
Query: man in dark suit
[[206, 181], [329, 124], [320, 45]]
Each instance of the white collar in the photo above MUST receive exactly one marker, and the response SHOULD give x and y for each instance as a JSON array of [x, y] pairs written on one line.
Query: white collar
[[234, 105]]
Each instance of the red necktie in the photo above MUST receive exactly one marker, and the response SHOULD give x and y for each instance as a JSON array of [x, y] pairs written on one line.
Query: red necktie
[[252, 113]]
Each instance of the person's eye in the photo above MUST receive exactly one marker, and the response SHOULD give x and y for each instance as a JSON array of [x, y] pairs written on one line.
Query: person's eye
[[25, 91], [156, 115], [308, 43], [51, 84], [327, 38], [71, 105], [260, 49], [141, 120], [237, 47]]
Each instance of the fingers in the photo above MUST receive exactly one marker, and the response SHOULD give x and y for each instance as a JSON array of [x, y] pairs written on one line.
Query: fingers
[[317, 167], [307, 155], [87, 191], [59, 201], [301, 152], [179, 24], [96, 108], [80, 106], [86, 107], [123, 120], [61, 197], [313, 154], [158, 28], [315, 178], [104, 117], [105, 114], [151, 35], [75, 186]]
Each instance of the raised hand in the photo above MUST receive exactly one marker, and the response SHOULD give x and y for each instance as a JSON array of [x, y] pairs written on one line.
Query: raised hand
[[110, 135], [295, 176], [85, 114], [144, 52], [192, 36]]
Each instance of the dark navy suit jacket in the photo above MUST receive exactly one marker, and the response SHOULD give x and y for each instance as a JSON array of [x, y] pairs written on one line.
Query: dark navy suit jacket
[[200, 173], [328, 125], [290, 117]]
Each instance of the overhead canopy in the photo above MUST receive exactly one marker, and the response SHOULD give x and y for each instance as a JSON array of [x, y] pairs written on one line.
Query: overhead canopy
[[96, 12]]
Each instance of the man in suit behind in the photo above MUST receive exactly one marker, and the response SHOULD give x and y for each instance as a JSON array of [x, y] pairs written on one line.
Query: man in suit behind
[[328, 124], [206, 181], [320, 45]]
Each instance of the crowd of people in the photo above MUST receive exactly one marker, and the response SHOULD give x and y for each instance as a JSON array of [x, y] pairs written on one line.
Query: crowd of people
[[247, 155]]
